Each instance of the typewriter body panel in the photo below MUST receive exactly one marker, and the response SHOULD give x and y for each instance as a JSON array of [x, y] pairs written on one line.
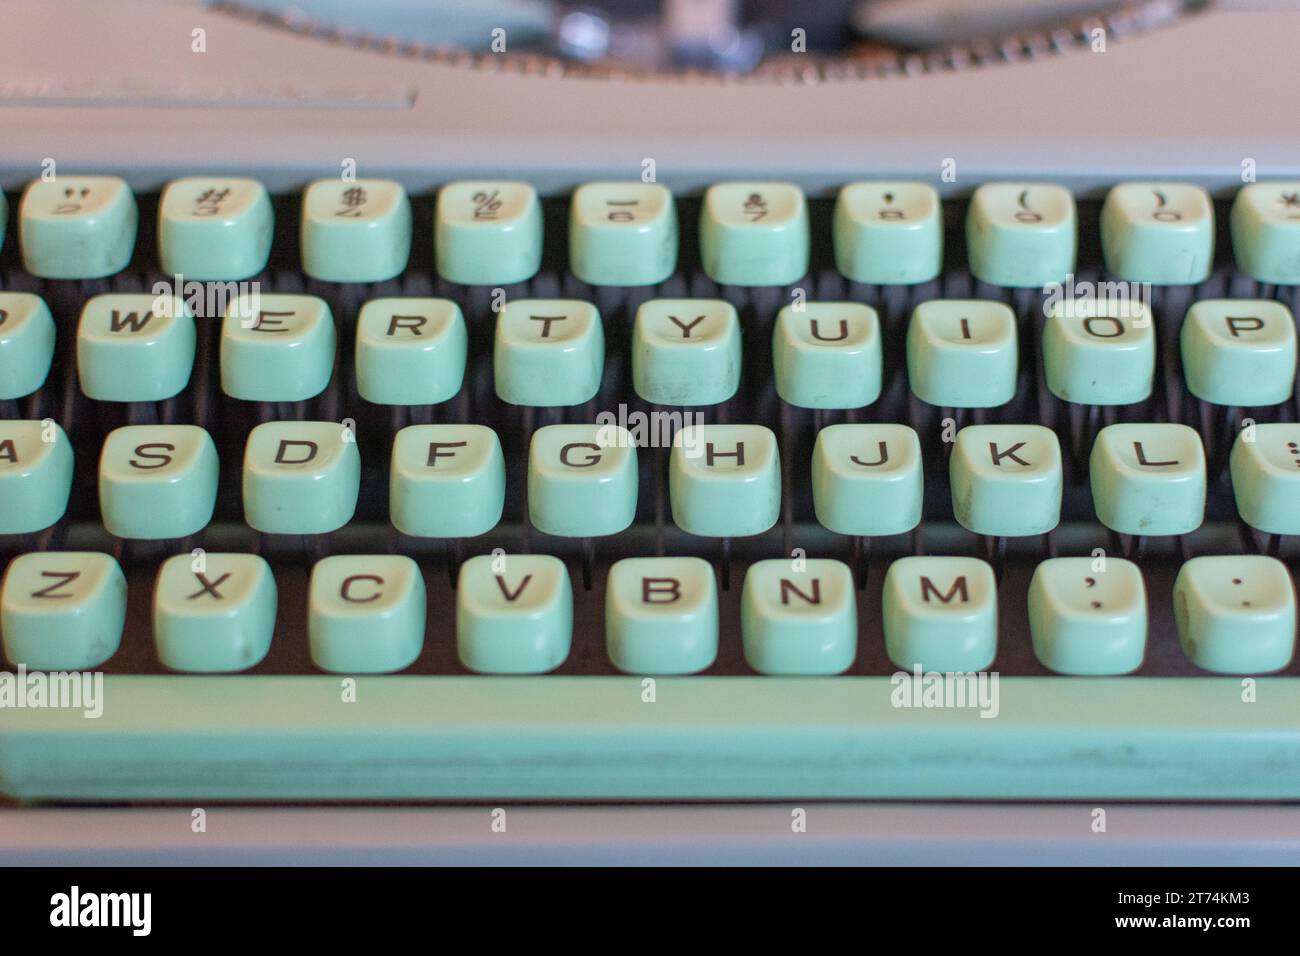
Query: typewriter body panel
[[1201, 102]]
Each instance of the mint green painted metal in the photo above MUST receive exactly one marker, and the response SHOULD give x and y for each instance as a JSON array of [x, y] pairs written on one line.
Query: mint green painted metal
[[293, 738]]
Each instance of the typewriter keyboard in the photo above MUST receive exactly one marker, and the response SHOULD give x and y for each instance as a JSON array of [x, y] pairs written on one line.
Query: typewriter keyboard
[[355, 494]]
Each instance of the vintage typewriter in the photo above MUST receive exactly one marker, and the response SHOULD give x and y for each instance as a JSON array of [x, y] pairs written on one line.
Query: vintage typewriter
[[385, 423]]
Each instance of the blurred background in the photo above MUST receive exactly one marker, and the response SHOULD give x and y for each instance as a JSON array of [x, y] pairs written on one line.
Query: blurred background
[[727, 36]]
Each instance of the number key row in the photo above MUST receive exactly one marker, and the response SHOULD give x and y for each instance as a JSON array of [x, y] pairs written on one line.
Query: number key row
[[625, 233]]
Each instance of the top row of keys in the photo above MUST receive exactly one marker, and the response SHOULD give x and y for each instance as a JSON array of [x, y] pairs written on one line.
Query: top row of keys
[[1020, 235]]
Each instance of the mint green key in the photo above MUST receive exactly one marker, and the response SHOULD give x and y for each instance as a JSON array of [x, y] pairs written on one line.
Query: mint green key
[[940, 614], [1265, 223], [1088, 615], [446, 481], [355, 231], [300, 477], [827, 355], [1006, 479], [410, 351], [661, 615], [1236, 614], [801, 621], [724, 480], [26, 344], [548, 352], [1162, 233], [77, 227], [867, 479], [888, 233], [1239, 351], [488, 233], [1099, 351], [1021, 235], [214, 229], [962, 353], [622, 234], [366, 613], [754, 233], [213, 613], [135, 347], [157, 481], [686, 351], [582, 480], [1265, 468], [514, 613], [277, 348], [1148, 478], [62, 610], [35, 475]]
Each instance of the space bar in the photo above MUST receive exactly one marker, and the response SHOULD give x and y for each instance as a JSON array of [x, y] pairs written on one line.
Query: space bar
[[503, 738]]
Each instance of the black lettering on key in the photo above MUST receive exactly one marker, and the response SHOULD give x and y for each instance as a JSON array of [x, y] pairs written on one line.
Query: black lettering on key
[[891, 214], [265, 319], [686, 329], [487, 205], [882, 450], [710, 455], [624, 214], [1163, 214], [1024, 213], [64, 579], [133, 321], [208, 587], [660, 590], [435, 451], [787, 586], [144, 452], [70, 206], [281, 457], [1116, 324], [996, 456], [412, 322], [1142, 458], [588, 460], [509, 595], [546, 321], [1242, 323], [844, 331], [9, 451], [345, 589], [353, 199], [958, 588]]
